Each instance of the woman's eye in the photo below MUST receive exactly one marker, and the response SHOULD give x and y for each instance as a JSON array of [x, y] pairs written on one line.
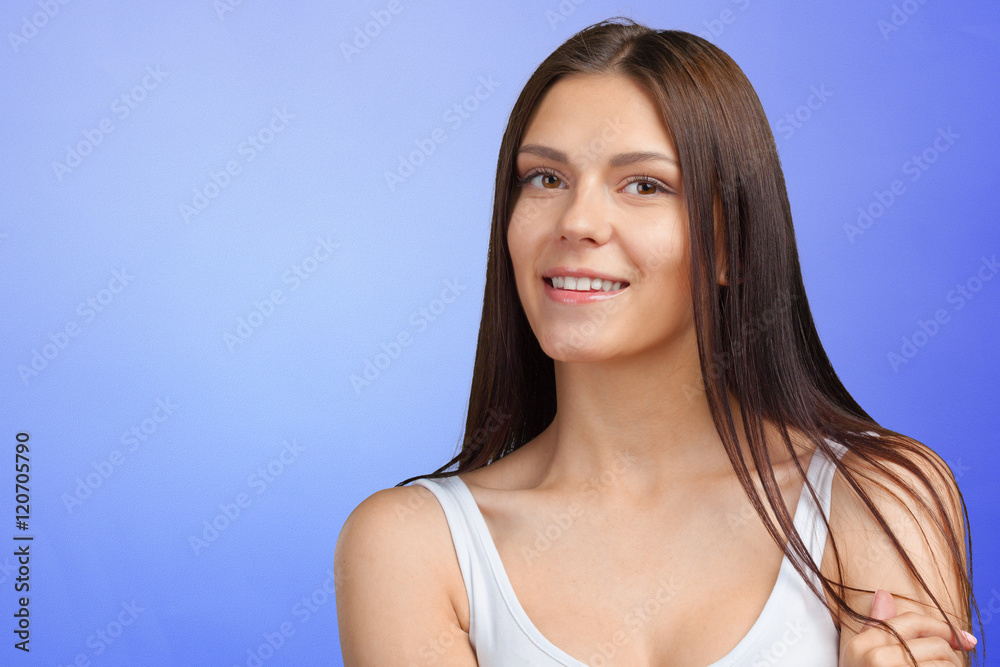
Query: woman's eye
[[645, 186], [543, 179]]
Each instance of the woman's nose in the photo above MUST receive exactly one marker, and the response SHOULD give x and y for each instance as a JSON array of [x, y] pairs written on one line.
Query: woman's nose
[[587, 212]]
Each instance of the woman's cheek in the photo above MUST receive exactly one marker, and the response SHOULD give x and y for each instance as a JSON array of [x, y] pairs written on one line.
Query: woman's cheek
[[665, 253]]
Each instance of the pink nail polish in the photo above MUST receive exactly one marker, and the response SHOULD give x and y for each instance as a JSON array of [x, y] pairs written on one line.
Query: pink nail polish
[[972, 639]]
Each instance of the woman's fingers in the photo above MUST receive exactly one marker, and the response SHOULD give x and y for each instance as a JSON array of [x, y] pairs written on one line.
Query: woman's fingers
[[883, 606], [914, 625], [928, 638], [928, 651]]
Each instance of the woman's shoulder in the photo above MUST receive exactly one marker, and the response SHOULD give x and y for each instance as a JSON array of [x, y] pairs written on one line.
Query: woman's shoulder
[[395, 567], [917, 496], [904, 477], [401, 535], [397, 520]]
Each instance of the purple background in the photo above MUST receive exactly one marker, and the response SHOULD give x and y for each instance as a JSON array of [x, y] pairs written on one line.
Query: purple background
[[324, 261]]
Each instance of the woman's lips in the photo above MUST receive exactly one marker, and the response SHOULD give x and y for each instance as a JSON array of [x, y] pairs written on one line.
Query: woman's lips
[[574, 296]]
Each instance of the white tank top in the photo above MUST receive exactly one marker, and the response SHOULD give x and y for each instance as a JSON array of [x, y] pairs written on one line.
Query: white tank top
[[794, 628]]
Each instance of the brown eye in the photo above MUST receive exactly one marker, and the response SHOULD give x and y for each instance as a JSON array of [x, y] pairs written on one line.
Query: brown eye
[[550, 180], [646, 186]]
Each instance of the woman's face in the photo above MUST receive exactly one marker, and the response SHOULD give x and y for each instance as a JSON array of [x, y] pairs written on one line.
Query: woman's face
[[603, 198]]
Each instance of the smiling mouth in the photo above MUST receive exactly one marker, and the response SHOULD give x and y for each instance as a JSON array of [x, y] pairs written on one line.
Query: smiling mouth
[[585, 285]]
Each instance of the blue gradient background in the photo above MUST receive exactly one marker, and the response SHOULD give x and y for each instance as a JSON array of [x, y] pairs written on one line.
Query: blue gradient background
[[162, 337]]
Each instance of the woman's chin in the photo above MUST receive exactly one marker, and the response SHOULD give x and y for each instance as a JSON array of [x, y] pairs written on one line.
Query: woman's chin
[[576, 350]]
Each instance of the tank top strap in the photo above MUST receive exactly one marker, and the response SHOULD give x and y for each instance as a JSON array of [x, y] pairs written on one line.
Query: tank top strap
[[472, 557], [460, 524], [813, 514]]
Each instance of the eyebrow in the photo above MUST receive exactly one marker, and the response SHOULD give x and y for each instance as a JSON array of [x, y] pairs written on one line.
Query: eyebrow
[[619, 160]]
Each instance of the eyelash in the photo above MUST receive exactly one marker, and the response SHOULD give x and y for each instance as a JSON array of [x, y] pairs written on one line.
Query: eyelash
[[642, 177]]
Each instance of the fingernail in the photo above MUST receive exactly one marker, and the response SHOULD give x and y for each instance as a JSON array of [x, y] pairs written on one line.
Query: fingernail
[[972, 639]]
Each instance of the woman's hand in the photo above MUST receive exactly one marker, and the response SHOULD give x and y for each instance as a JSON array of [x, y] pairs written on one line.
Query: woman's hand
[[929, 639]]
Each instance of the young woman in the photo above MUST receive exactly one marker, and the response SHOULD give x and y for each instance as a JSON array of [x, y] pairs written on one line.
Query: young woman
[[660, 465]]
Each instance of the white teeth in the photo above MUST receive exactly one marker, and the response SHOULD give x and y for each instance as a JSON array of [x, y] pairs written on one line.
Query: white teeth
[[585, 284]]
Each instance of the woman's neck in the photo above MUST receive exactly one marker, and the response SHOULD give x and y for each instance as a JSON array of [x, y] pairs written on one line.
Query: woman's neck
[[639, 431]]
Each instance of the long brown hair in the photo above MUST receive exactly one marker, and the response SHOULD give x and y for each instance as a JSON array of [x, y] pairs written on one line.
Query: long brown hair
[[756, 336]]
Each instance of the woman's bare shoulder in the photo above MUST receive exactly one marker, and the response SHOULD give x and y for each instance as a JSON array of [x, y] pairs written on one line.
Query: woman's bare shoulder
[[898, 488], [395, 566], [912, 509], [402, 524]]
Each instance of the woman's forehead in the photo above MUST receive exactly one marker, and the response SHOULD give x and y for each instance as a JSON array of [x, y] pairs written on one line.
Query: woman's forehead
[[607, 114]]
